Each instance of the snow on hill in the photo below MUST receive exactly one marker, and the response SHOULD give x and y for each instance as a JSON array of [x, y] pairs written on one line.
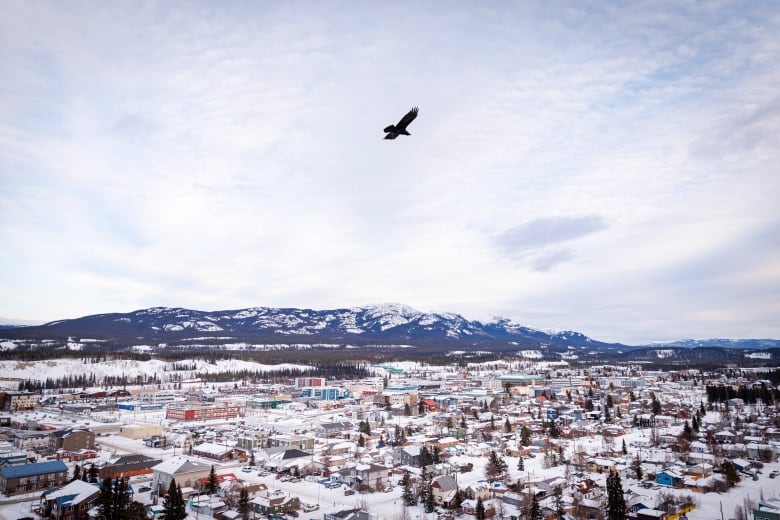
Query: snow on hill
[[42, 370]]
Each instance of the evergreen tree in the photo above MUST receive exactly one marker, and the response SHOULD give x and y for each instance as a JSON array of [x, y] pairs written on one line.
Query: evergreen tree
[[535, 512], [520, 464], [457, 500], [361, 441], [730, 472], [121, 498], [625, 451], [507, 426], [105, 501], [463, 421], [495, 467], [212, 484], [480, 510], [135, 511], [243, 504], [93, 474], [430, 499], [560, 512], [76, 473], [525, 436], [616, 503], [252, 461], [174, 507], [607, 417], [407, 494]]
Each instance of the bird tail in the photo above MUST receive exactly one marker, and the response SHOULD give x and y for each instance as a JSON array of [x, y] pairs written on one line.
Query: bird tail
[[404, 132]]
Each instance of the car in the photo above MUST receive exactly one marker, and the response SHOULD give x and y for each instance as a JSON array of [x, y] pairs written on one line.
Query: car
[[349, 492], [246, 469], [292, 513]]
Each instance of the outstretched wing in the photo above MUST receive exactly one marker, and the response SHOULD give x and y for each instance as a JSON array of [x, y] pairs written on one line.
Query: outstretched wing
[[408, 118]]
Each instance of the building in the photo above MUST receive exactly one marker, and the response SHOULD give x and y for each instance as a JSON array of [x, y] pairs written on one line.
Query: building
[[70, 502], [33, 477], [32, 440], [185, 471], [15, 401], [368, 476], [325, 393], [202, 412], [71, 440], [273, 501], [140, 431], [128, 466], [303, 382], [218, 452], [767, 510]]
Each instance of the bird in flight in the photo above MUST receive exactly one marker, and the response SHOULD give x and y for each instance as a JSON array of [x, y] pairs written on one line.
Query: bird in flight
[[394, 131]]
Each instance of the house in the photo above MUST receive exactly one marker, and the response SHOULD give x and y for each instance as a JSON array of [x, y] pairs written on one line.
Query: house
[[725, 437], [207, 505], [372, 476], [767, 510], [71, 440], [218, 452], [650, 514], [410, 456], [333, 429], [669, 477], [444, 488], [33, 477], [70, 502], [469, 507], [128, 466], [287, 459], [271, 501], [184, 470]]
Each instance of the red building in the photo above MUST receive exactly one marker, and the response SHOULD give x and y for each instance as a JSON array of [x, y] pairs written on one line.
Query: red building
[[202, 412]]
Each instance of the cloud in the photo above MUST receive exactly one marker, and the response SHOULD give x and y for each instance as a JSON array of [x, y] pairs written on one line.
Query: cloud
[[231, 154], [540, 233]]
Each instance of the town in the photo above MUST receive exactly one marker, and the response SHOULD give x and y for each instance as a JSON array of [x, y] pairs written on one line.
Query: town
[[505, 440]]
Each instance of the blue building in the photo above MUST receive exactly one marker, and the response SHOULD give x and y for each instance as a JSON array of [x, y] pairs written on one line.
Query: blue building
[[325, 393], [669, 478]]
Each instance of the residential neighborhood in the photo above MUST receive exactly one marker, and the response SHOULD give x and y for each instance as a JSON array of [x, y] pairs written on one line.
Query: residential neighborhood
[[496, 440]]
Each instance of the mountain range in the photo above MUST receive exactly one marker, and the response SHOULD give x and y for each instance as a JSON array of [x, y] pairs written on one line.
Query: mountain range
[[388, 325]]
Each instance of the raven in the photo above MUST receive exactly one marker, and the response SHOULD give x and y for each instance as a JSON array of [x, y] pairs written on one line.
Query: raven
[[394, 131]]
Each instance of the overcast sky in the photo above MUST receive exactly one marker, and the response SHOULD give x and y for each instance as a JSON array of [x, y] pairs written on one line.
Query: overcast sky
[[609, 168]]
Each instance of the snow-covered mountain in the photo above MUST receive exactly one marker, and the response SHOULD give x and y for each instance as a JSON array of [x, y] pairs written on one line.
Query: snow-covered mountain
[[387, 323]]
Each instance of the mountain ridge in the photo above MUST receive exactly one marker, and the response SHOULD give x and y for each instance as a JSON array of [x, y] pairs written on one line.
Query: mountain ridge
[[389, 324]]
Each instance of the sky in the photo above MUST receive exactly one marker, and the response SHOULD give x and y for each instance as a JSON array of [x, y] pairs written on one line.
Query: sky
[[606, 167]]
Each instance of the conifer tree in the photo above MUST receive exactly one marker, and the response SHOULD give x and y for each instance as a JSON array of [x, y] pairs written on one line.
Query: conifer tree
[[243, 504], [535, 512], [174, 507], [507, 426], [625, 451], [430, 499], [480, 510], [105, 500], [76, 473], [616, 503], [729, 471], [560, 512], [407, 494], [520, 464], [212, 484], [525, 436]]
